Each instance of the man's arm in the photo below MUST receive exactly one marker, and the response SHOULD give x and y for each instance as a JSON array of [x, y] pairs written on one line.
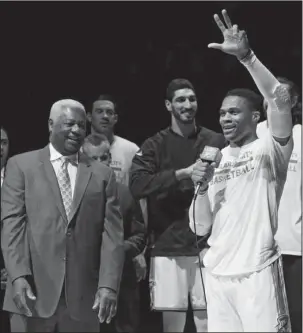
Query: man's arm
[[145, 179], [279, 111], [112, 249], [200, 215], [14, 241], [136, 241]]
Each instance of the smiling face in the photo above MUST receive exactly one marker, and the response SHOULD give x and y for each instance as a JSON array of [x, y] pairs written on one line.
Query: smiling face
[[238, 120], [183, 106], [67, 132], [103, 117]]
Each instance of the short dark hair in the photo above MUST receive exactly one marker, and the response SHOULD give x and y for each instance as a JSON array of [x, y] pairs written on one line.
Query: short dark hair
[[95, 139], [177, 84], [3, 129], [108, 97], [253, 98], [294, 91]]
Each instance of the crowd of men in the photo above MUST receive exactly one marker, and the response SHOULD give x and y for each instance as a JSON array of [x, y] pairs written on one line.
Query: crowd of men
[[88, 219]]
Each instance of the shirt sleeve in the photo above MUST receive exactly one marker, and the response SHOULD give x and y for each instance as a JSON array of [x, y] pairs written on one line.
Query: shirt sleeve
[[277, 96], [145, 177]]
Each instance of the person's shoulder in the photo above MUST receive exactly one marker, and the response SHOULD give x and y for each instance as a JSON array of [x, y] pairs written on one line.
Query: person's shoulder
[[211, 137], [122, 141], [100, 169], [158, 137], [27, 158], [209, 132]]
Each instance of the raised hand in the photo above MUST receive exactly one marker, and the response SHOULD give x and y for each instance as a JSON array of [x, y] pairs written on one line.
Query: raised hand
[[235, 41]]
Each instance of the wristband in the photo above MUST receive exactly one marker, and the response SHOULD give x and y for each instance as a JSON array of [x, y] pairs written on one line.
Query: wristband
[[203, 191], [249, 58]]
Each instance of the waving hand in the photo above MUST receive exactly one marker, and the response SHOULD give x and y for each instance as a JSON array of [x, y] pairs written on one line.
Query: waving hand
[[235, 41]]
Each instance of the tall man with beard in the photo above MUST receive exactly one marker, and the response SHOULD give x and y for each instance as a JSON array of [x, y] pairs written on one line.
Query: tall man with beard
[[161, 171], [239, 202]]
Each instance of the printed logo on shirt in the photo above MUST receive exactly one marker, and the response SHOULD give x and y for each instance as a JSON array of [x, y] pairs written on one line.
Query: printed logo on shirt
[[242, 165], [292, 166]]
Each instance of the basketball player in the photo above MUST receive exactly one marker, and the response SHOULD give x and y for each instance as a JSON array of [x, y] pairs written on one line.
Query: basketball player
[[288, 235], [243, 278]]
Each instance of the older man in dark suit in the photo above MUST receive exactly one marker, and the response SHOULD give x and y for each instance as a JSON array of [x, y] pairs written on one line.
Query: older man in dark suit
[[62, 236]]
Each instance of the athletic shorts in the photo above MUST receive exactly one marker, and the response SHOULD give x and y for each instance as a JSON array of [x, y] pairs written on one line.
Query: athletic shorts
[[254, 303], [174, 280]]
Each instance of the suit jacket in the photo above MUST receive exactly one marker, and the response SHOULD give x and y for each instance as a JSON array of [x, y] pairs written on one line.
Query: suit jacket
[[134, 235], [39, 242]]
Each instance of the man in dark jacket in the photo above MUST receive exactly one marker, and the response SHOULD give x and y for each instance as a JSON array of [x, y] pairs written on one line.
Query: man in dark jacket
[[161, 172], [97, 147]]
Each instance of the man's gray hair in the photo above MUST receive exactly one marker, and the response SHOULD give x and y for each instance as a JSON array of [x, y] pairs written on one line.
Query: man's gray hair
[[60, 106]]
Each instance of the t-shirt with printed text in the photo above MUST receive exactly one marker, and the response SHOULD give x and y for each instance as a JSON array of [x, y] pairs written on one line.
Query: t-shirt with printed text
[[244, 196]]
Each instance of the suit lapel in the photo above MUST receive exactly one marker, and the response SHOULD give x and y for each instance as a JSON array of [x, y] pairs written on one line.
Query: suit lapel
[[52, 179], [83, 176]]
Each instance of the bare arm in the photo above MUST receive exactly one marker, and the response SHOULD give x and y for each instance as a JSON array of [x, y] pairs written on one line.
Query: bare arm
[[279, 111]]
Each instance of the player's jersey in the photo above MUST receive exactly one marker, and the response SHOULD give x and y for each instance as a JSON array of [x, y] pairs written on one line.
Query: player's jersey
[[244, 196], [288, 235]]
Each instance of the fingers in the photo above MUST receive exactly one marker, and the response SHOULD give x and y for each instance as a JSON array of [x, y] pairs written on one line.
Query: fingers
[[112, 312], [21, 304], [102, 314], [235, 28], [219, 23], [226, 19], [215, 46], [30, 294]]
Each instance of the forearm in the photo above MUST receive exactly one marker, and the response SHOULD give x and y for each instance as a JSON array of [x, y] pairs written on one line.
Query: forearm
[[200, 215], [143, 184], [134, 245], [279, 105]]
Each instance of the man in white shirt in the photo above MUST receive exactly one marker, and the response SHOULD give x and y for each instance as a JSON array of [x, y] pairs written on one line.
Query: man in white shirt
[[288, 235], [239, 202], [103, 118]]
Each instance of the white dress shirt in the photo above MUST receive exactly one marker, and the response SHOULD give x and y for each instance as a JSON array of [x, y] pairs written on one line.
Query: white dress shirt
[[2, 175], [55, 158]]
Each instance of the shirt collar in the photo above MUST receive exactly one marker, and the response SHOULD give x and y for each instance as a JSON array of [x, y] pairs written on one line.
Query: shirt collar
[[2, 172], [55, 155]]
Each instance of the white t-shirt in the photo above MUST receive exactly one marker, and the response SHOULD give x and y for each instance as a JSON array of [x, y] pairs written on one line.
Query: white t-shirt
[[244, 196], [122, 152], [288, 235]]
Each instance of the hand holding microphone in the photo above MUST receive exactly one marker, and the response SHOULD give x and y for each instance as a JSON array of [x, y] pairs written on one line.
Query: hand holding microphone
[[203, 170]]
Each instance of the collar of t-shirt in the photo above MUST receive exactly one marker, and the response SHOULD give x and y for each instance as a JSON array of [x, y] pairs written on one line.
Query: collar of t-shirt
[[191, 136]]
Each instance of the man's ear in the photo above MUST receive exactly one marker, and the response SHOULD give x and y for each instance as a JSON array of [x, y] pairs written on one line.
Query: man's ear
[[168, 105], [50, 125], [256, 116], [89, 117], [116, 118]]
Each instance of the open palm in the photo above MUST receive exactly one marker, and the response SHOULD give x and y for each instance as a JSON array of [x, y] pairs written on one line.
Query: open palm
[[235, 41]]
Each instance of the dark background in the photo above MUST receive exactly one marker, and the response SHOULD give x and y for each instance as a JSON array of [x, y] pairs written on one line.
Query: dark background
[[55, 50]]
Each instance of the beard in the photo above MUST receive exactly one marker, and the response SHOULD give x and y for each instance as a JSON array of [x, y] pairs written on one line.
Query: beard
[[184, 117]]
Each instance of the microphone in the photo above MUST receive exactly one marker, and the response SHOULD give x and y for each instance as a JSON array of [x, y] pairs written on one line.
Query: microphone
[[209, 155]]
